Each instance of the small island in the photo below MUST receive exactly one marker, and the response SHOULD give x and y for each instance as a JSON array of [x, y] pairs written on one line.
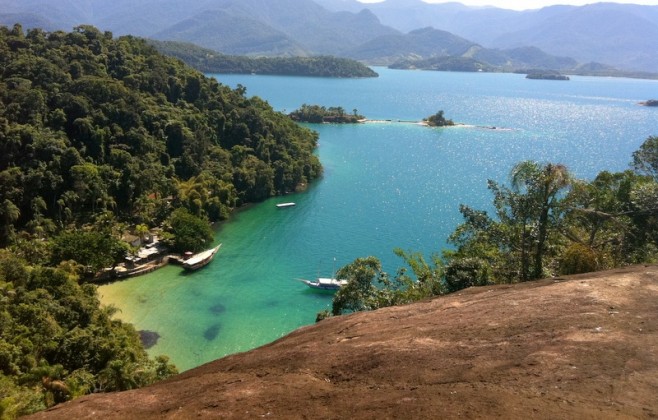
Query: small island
[[443, 63], [650, 102], [546, 75], [317, 114], [438, 120]]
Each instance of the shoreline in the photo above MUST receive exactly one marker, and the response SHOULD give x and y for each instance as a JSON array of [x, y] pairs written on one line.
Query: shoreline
[[425, 124]]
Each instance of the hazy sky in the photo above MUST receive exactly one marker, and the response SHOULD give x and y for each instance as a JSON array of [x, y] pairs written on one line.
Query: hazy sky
[[529, 4]]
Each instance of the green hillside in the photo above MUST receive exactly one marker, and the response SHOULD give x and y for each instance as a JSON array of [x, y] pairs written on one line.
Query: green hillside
[[93, 124], [209, 61]]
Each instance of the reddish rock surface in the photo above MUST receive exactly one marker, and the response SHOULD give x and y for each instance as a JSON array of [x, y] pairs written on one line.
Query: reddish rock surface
[[575, 347]]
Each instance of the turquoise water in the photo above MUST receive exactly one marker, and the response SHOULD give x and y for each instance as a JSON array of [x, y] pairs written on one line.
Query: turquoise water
[[386, 185]]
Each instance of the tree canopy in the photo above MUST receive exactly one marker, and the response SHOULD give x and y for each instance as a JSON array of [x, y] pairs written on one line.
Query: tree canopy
[[92, 124], [438, 120], [317, 114], [190, 233], [57, 343]]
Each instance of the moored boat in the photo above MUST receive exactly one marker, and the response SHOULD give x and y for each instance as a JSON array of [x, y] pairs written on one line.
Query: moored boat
[[325, 283], [284, 205], [201, 259]]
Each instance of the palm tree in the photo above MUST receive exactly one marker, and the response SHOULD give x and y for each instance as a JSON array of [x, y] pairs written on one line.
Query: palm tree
[[541, 185], [141, 230]]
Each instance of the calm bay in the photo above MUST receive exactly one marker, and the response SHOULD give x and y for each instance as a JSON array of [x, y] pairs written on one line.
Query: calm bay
[[387, 184]]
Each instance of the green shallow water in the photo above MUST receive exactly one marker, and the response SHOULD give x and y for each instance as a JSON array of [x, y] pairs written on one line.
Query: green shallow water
[[385, 186]]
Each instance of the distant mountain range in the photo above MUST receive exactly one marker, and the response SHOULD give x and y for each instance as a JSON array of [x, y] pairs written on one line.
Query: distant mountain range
[[621, 35], [559, 37]]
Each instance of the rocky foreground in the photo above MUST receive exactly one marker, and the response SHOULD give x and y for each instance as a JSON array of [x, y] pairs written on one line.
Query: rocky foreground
[[575, 347]]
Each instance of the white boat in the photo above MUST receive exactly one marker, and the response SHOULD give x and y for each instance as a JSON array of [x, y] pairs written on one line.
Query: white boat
[[322, 283], [325, 283], [201, 259], [284, 205]]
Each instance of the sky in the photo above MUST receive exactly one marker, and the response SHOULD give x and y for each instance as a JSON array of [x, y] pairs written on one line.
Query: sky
[[529, 4]]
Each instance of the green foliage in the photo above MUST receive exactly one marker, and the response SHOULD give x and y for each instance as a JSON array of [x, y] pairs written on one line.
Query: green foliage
[[91, 249], [445, 63], [57, 343], [438, 120], [427, 279], [546, 75], [614, 216], [548, 223], [190, 233], [645, 160], [369, 288], [359, 293], [577, 259], [319, 114], [529, 214], [90, 124], [465, 272], [209, 61]]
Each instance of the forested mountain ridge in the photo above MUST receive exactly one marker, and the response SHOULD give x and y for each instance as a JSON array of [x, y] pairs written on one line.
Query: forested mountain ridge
[[441, 47], [621, 35], [281, 27], [238, 35], [209, 61]]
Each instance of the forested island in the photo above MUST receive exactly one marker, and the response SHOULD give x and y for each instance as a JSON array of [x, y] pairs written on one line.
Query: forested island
[[317, 114], [546, 75], [100, 137], [209, 61], [650, 102], [445, 63], [438, 120]]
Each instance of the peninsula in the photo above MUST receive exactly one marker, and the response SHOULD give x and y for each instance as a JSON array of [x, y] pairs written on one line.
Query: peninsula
[[210, 61]]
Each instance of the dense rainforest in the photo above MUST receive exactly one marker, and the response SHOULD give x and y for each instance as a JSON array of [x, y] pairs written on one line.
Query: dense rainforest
[[93, 126], [209, 61], [99, 136]]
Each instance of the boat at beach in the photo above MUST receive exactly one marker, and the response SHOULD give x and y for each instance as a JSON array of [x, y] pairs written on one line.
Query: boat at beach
[[284, 205], [201, 259], [325, 283]]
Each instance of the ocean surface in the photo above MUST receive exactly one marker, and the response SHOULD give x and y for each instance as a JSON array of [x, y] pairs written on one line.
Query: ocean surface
[[387, 184]]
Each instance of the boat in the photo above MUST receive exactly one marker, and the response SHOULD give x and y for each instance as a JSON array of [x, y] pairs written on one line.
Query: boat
[[201, 259], [325, 283], [284, 205], [322, 283]]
